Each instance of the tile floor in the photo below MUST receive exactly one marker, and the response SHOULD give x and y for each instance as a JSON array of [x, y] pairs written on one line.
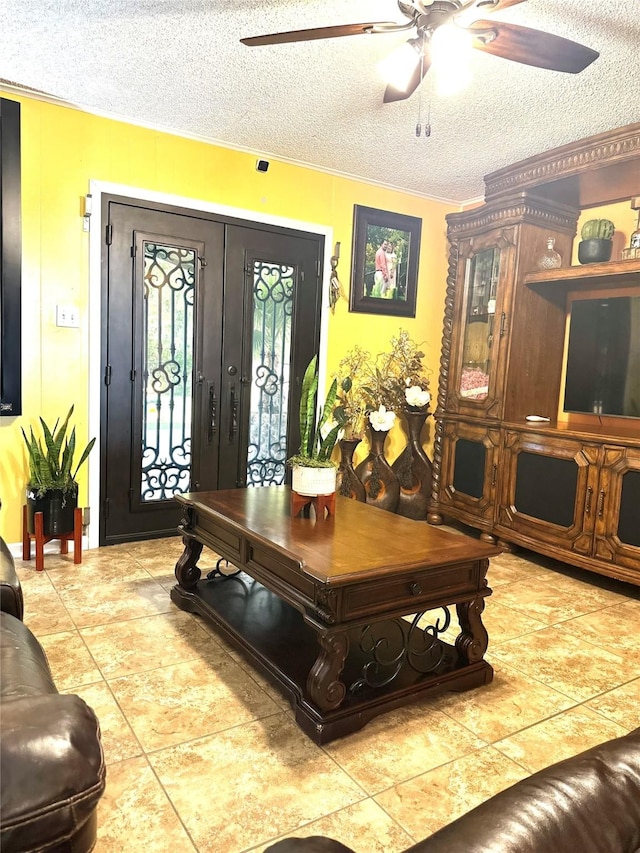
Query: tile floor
[[203, 754]]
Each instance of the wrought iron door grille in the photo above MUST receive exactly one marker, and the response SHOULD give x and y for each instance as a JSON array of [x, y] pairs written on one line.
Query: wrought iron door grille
[[168, 312], [273, 288]]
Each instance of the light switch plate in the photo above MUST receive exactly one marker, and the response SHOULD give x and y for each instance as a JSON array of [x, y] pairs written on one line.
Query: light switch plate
[[67, 315]]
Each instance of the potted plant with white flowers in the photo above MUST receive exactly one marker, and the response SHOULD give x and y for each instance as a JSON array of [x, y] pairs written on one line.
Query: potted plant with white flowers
[[313, 471]]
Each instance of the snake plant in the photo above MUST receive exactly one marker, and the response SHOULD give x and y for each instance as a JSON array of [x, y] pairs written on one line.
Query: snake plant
[[316, 449], [52, 466]]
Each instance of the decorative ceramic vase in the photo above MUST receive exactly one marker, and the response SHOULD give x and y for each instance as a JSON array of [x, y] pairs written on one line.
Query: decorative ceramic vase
[[347, 482], [313, 481], [413, 470], [380, 483]]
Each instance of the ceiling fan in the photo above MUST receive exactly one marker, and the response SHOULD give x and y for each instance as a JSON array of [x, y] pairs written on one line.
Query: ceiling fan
[[426, 17]]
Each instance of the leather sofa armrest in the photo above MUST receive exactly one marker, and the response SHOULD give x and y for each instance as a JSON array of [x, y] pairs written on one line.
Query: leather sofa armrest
[[53, 772], [11, 600], [588, 803]]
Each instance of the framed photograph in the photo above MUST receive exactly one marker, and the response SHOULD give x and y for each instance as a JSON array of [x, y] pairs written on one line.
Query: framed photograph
[[384, 267]]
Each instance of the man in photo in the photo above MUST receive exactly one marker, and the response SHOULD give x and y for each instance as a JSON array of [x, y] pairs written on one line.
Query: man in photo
[[381, 276]]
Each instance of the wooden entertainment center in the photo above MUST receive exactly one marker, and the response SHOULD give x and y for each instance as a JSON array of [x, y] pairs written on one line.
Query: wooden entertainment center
[[562, 485]]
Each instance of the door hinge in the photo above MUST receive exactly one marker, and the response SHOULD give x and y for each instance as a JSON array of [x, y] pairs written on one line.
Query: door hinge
[[318, 266], [503, 324], [105, 508], [107, 374], [108, 235], [203, 261], [132, 375], [133, 250], [301, 275]]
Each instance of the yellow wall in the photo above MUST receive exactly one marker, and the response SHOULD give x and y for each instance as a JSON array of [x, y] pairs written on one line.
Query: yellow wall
[[63, 149]]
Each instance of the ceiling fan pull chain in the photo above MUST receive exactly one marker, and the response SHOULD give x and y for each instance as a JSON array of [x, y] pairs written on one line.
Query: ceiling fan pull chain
[[427, 127]]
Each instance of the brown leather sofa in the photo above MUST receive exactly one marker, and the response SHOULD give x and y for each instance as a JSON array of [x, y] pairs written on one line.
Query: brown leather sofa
[[52, 772], [586, 804]]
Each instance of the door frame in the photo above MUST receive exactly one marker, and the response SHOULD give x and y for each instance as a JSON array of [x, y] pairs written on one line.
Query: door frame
[[250, 217]]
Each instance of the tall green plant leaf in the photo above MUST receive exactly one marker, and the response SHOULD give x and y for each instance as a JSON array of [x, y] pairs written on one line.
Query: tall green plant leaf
[[307, 408]]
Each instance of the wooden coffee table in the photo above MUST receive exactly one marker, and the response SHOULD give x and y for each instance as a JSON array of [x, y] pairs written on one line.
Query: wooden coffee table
[[347, 613]]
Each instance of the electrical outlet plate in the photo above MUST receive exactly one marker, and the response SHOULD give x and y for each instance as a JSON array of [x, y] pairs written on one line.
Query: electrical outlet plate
[[68, 316]]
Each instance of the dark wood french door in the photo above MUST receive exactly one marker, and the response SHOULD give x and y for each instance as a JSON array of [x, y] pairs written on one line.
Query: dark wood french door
[[208, 327]]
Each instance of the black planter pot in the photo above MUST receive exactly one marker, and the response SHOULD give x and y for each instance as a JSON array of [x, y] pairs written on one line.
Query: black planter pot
[[596, 251], [57, 511]]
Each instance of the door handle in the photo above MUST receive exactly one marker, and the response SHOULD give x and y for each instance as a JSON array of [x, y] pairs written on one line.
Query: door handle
[[601, 498], [587, 508], [212, 420], [233, 412]]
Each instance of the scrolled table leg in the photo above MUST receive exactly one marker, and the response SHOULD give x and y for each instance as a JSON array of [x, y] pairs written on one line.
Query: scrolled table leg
[[473, 639], [323, 682], [187, 572]]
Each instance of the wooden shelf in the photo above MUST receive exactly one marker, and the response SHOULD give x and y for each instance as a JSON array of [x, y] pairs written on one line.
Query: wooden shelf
[[587, 276]]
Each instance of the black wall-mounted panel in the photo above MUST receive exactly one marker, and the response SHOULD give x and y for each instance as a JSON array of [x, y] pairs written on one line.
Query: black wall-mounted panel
[[10, 260], [546, 488], [468, 472], [629, 520]]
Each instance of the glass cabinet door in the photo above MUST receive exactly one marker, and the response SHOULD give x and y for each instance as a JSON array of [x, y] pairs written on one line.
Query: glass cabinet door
[[481, 282]]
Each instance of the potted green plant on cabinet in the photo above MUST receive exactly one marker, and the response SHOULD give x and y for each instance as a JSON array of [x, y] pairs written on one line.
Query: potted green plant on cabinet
[[597, 241], [52, 488], [313, 472]]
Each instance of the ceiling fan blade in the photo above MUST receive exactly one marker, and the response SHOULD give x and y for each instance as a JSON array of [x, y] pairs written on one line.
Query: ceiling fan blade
[[531, 47], [316, 33], [496, 5], [391, 94]]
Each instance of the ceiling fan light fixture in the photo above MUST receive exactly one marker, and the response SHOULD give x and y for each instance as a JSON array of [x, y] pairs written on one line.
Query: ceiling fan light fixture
[[399, 66], [451, 48]]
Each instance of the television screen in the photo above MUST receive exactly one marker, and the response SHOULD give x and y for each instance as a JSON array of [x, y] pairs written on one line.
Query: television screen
[[603, 363]]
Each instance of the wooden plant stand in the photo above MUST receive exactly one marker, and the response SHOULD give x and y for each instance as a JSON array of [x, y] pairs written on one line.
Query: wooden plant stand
[[319, 503], [41, 539]]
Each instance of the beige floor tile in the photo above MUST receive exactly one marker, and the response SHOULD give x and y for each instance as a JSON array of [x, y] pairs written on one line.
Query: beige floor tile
[[70, 661], [44, 611], [542, 599], [118, 740], [430, 801], [614, 628], [123, 648], [570, 665], [401, 744], [100, 603], [558, 737], [511, 702], [263, 780], [505, 623], [364, 827], [177, 703], [603, 591], [621, 704], [99, 566], [135, 815], [510, 568]]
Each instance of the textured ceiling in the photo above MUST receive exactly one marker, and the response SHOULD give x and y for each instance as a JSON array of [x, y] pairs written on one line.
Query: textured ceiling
[[178, 65]]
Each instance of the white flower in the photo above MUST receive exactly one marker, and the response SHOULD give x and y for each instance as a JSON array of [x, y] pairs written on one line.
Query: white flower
[[382, 419], [415, 396]]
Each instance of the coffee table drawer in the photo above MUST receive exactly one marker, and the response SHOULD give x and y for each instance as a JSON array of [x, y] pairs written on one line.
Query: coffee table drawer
[[411, 592]]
